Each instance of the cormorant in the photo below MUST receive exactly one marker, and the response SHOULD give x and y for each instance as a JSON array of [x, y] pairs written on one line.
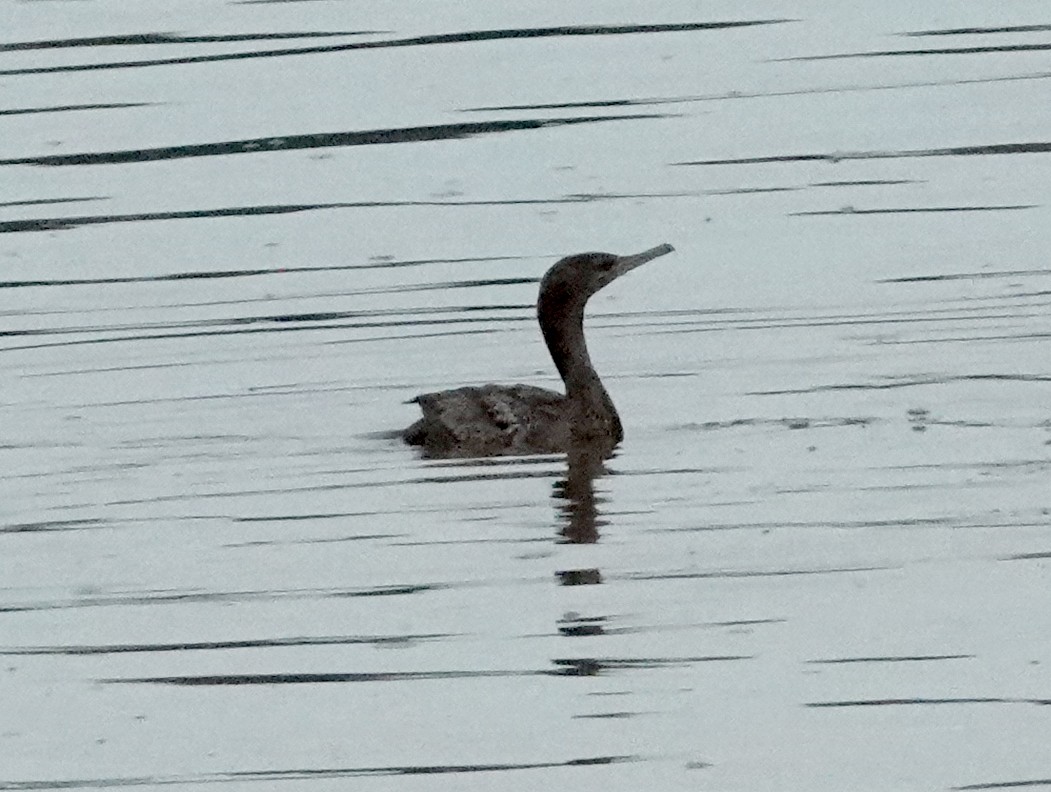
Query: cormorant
[[493, 420]]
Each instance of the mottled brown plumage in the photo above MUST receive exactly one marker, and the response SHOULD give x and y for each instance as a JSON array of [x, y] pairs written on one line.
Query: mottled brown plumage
[[493, 420]]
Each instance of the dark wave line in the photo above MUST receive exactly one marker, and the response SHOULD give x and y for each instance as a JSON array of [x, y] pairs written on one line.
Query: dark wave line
[[54, 525], [576, 666], [737, 95], [911, 210], [750, 573], [985, 520], [963, 339], [892, 659], [770, 323], [1034, 782], [574, 105], [980, 30], [909, 383], [240, 331], [865, 183], [415, 41], [1039, 147], [316, 140], [173, 38], [69, 108], [190, 595], [927, 701], [61, 223], [1027, 557], [260, 643], [49, 201], [943, 51], [283, 271], [278, 319], [217, 680], [968, 276], [302, 774]]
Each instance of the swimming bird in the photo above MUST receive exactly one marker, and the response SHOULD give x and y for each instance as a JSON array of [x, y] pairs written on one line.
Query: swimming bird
[[494, 420]]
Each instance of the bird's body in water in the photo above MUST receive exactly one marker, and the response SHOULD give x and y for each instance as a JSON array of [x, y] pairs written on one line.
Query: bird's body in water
[[493, 420]]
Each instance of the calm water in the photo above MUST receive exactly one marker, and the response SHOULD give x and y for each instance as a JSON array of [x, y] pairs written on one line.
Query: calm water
[[236, 238]]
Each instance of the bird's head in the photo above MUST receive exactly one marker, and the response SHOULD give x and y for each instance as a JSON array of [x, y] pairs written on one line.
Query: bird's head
[[575, 278]]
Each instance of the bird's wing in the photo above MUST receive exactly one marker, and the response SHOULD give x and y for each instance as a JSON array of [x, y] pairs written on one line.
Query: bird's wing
[[485, 420]]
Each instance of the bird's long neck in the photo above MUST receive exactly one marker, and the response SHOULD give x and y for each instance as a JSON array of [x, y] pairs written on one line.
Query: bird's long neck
[[591, 407]]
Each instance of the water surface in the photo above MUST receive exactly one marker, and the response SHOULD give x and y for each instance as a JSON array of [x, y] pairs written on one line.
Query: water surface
[[236, 239]]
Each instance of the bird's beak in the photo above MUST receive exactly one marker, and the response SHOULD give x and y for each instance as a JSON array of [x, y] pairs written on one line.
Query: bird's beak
[[628, 263]]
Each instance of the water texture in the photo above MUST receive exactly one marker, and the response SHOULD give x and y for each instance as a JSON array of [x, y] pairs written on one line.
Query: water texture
[[238, 237]]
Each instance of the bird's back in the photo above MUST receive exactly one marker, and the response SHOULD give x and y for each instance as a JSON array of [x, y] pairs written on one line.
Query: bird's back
[[491, 420]]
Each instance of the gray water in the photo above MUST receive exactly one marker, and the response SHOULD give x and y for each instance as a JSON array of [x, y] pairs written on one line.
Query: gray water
[[235, 239]]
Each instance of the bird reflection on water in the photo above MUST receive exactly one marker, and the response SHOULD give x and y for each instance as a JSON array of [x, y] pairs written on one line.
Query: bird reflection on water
[[578, 505], [494, 420], [580, 518]]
